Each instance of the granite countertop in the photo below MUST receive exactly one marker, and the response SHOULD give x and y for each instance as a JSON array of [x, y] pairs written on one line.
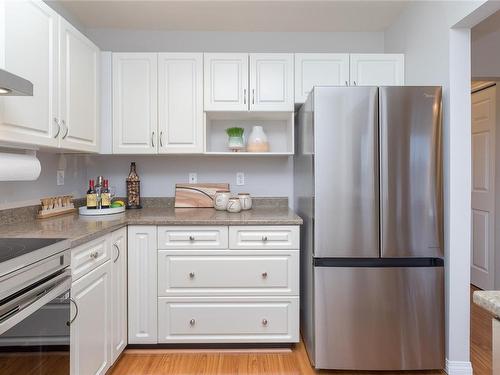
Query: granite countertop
[[488, 300], [80, 229]]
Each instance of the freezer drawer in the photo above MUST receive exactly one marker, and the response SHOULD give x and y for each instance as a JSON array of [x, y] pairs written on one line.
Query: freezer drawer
[[379, 318]]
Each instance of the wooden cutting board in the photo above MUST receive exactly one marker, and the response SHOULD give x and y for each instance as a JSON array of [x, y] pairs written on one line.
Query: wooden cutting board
[[197, 195]]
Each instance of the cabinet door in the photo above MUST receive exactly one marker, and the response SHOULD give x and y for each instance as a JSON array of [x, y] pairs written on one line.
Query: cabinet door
[[30, 50], [319, 69], [370, 69], [226, 81], [119, 292], [271, 82], [142, 285], [79, 90], [135, 116], [91, 329], [180, 96]]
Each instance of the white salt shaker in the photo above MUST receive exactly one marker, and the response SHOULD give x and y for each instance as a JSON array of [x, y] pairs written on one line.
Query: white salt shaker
[[245, 201]]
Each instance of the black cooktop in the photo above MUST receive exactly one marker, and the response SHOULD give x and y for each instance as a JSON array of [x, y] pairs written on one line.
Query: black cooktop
[[11, 248]]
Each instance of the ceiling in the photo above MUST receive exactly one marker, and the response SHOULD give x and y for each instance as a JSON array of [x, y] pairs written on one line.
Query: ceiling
[[235, 15]]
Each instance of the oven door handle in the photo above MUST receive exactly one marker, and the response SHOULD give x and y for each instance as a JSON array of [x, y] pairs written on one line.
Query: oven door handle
[[33, 301]]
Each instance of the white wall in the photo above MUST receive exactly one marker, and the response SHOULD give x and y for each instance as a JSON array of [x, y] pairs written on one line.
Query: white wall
[[16, 194], [422, 32], [185, 41], [486, 48], [264, 176]]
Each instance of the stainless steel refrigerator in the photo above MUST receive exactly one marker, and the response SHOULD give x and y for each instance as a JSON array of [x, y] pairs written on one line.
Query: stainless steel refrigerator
[[368, 184]]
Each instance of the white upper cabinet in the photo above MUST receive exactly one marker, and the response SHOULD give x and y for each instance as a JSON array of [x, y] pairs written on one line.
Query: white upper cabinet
[[135, 100], [271, 82], [377, 69], [30, 50], [180, 102], [226, 81], [63, 66], [319, 69], [79, 90]]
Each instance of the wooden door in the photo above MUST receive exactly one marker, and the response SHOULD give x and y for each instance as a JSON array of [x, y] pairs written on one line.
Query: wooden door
[[271, 82], [30, 50], [225, 81], [91, 329], [180, 97], [376, 69], [142, 285], [483, 188], [79, 90], [119, 292], [135, 100], [319, 69]]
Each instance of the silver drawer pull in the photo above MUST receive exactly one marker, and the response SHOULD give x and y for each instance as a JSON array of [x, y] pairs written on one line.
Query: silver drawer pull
[[191, 238], [94, 254], [191, 275], [192, 322], [264, 275], [264, 322], [264, 238]]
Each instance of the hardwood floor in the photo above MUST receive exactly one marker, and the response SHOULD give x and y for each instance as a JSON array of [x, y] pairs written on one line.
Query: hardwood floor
[[276, 362], [480, 339]]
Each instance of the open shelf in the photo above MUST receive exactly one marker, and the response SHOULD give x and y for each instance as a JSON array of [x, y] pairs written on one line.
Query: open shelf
[[278, 127]]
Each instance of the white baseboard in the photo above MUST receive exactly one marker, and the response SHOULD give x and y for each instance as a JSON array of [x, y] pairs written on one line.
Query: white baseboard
[[458, 367]]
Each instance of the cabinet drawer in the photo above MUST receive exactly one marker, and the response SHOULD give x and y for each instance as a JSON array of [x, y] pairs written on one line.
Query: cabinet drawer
[[195, 320], [89, 256], [264, 237], [194, 237], [228, 272]]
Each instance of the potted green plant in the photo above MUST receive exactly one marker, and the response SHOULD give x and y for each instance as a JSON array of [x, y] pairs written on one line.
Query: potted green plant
[[235, 141]]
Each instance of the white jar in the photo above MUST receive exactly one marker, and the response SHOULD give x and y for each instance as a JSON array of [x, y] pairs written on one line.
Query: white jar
[[257, 141], [234, 205], [221, 199], [245, 201]]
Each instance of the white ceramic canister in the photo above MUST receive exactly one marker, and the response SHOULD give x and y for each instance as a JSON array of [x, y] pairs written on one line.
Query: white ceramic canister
[[257, 141], [245, 201], [221, 199], [234, 205]]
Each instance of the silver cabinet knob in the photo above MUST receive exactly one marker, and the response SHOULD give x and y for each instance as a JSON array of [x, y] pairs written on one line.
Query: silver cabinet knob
[[264, 275], [191, 275], [192, 322], [94, 254], [264, 238], [264, 322], [191, 238]]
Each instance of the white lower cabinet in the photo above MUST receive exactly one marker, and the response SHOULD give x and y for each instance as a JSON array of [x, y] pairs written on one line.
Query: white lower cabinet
[[99, 303], [91, 328], [242, 287], [142, 284], [235, 319], [119, 295]]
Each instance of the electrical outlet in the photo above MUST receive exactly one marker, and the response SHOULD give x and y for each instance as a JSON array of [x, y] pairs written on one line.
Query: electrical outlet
[[60, 177], [193, 178], [240, 178]]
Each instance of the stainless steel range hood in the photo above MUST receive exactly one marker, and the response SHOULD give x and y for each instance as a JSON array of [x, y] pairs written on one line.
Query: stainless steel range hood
[[12, 85]]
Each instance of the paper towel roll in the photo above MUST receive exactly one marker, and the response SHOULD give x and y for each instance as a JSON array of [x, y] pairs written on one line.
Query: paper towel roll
[[19, 167]]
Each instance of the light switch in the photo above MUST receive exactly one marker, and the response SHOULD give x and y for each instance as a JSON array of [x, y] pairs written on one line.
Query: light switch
[[60, 177], [193, 178]]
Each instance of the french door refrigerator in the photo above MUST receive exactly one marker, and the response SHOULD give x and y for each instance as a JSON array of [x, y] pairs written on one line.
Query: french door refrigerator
[[368, 184]]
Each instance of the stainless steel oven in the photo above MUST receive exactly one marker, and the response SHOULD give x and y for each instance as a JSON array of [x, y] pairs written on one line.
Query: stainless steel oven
[[35, 317]]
